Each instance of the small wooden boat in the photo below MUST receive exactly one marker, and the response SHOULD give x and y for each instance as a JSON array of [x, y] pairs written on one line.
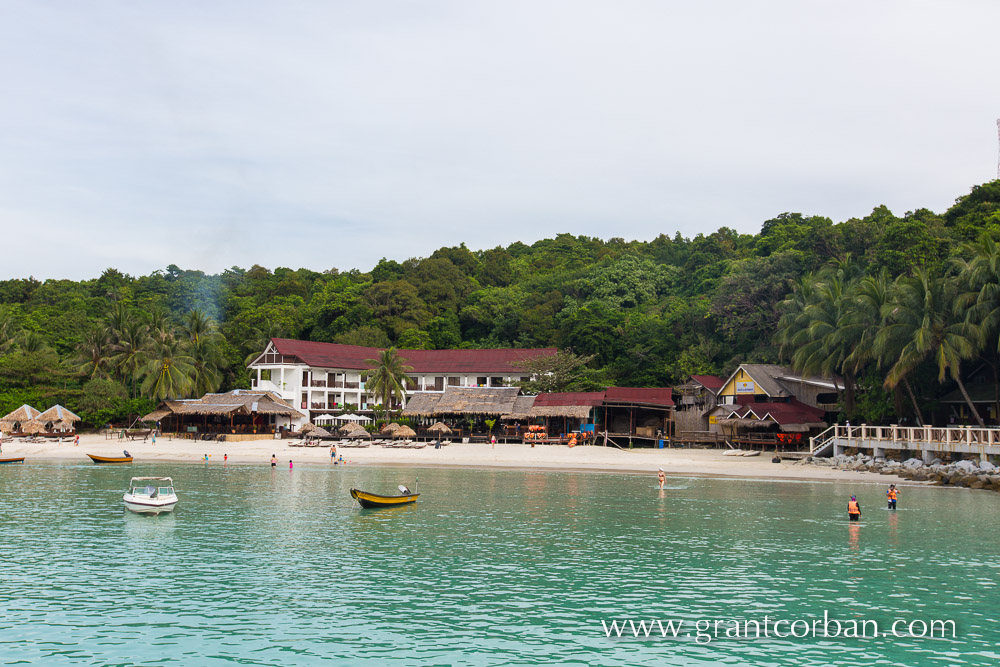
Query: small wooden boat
[[19, 459], [110, 459], [369, 500]]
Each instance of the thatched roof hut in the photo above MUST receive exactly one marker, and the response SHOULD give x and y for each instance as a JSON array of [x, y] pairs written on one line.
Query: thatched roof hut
[[389, 428], [24, 413], [236, 402], [57, 413]]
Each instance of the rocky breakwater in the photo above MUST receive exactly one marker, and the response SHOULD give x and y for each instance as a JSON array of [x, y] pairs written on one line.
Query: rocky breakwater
[[965, 473]]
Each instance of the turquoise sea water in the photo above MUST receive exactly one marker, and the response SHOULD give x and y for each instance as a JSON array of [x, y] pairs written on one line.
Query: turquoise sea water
[[262, 566]]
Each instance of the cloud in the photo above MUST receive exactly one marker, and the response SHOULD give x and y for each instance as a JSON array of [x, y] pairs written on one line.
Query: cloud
[[331, 134]]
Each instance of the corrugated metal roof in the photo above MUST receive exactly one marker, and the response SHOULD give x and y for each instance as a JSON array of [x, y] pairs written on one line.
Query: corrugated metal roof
[[713, 382], [660, 396], [353, 357], [590, 398]]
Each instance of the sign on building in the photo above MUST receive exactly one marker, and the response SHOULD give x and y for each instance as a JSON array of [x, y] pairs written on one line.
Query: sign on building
[[745, 387]]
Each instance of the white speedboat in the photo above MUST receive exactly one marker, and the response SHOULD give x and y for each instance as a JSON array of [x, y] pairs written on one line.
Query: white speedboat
[[150, 495]]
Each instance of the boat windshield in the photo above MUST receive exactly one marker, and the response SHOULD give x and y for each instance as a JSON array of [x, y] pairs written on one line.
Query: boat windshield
[[166, 490]]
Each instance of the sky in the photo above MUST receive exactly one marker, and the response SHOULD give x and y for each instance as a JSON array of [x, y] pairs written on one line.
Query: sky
[[329, 134]]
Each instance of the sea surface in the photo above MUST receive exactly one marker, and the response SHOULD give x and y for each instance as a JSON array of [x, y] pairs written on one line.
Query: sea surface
[[262, 566]]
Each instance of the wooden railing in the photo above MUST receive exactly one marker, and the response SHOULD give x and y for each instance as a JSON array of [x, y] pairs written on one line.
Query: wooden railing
[[917, 435]]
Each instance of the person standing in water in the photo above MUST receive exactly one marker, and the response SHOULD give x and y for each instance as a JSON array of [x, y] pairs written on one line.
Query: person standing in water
[[274, 460], [289, 464], [891, 495], [853, 509], [662, 477]]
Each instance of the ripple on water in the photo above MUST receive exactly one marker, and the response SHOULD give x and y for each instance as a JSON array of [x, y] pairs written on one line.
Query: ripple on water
[[267, 567]]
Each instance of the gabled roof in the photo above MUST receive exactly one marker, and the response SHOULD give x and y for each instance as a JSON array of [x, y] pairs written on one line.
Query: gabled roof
[[22, 414], [236, 402], [793, 412], [354, 357], [773, 379], [655, 396], [711, 382], [57, 413]]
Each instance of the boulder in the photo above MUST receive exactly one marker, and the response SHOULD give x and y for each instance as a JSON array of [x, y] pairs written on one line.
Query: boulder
[[978, 484], [986, 466], [912, 463], [919, 476], [967, 467]]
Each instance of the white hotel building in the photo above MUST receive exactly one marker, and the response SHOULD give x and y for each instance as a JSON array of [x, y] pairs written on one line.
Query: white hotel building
[[323, 377]]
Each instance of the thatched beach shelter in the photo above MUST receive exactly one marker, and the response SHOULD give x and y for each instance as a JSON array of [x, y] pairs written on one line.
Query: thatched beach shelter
[[33, 426], [473, 401], [58, 418], [13, 421], [389, 428], [354, 430], [308, 427], [404, 432], [439, 427]]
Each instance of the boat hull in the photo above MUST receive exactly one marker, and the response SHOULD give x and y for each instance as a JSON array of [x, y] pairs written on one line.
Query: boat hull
[[371, 500], [149, 507], [110, 459], [12, 460]]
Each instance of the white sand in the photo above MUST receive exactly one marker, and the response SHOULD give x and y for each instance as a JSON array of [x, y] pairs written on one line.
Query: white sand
[[698, 462]]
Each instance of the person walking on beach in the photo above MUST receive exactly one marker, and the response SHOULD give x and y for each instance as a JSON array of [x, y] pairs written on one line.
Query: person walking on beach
[[76, 440], [274, 460], [662, 477], [891, 495], [853, 509]]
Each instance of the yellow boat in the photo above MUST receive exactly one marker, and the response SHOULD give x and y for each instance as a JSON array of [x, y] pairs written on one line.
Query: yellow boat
[[375, 500], [110, 459]]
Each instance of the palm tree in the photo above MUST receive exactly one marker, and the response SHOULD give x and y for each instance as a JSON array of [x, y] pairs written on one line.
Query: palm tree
[[980, 276], [7, 332], [924, 324], [206, 363], [131, 347], [95, 352], [169, 371], [31, 341], [387, 377], [197, 324]]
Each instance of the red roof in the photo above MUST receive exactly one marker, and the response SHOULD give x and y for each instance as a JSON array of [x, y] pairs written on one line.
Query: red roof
[[793, 412], [571, 398], [663, 396], [713, 382], [334, 355]]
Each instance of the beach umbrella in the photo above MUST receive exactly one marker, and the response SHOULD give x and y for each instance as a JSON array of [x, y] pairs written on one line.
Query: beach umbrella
[[318, 432], [404, 432], [63, 425], [350, 418], [440, 427], [389, 428], [363, 419], [33, 426], [325, 418], [308, 427]]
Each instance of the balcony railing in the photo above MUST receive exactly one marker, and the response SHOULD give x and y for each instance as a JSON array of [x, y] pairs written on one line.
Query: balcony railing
[[318, 383], [318, 406], [351, 385]]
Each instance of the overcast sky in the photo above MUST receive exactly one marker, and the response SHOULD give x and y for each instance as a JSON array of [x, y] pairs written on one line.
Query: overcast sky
[[330, 134]]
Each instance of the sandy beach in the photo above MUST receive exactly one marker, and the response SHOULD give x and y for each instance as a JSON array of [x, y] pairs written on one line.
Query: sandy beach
[[681, 462]]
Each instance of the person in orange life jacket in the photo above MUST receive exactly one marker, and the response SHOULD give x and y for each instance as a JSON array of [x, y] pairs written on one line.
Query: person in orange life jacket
[[892, 494], [853, 509]]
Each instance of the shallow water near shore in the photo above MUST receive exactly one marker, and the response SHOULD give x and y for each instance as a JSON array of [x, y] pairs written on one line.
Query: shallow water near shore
[[267, 566]]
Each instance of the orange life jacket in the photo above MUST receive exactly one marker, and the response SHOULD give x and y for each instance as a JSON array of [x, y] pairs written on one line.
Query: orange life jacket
[[892, 494], [852, 507]]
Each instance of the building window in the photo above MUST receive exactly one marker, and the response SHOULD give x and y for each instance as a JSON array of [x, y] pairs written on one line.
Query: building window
[[496, 382], [480, 381], [454, 381]]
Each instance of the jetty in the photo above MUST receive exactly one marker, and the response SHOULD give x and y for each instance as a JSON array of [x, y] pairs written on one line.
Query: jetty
[[927, 442]]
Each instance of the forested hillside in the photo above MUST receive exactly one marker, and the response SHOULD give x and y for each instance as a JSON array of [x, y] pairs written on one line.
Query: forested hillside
[[650, 312]]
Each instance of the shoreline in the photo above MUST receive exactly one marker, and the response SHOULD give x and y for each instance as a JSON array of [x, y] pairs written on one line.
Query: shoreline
[[676, 462]]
